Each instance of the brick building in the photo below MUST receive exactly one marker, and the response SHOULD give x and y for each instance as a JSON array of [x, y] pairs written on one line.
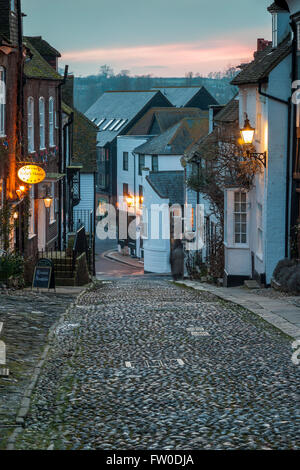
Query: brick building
[[11, 70]]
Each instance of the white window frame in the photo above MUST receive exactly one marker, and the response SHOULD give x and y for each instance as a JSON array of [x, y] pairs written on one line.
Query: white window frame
[[30, 124], [52, 207], [51, 122], [42, 123], [32, 214], [274, 29], [260, 232], [2, 102], [298, 36], [240, 217]]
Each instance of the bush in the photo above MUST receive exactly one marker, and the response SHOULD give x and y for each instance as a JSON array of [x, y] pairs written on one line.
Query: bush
[[12, 269], [287, 274]]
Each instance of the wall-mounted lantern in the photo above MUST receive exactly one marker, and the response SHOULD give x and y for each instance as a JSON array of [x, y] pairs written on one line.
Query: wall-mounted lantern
[[47, 200], [247, 134]]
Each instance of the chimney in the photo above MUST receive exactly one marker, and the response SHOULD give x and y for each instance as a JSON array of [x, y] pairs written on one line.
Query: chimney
[[262, 44], [68, 91]]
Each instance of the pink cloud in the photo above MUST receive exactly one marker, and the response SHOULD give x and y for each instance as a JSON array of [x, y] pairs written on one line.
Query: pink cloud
[[175, 59]]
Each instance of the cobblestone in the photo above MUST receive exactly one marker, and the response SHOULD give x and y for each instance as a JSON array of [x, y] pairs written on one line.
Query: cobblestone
[[233, 389]]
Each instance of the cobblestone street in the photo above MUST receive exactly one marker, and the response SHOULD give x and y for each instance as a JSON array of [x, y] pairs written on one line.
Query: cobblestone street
[[27, 318], [145, 364]]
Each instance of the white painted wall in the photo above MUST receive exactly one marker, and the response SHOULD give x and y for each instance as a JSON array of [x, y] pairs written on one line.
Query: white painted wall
[[129, 144], [270, 119], [156, 251], [87, 194]]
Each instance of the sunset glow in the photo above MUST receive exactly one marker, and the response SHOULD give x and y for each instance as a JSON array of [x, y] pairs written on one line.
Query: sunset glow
[[169, 59]]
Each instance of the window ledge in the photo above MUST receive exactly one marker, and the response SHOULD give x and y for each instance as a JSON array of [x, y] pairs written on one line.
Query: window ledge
[[52, 221], [236, 246], [43, 148], [259, 256]]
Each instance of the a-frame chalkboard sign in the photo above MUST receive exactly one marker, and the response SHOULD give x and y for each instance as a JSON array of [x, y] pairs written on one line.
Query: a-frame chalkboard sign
[[43, 277]]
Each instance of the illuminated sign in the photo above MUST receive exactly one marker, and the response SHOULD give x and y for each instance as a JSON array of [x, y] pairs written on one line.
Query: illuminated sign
[[31, 174]]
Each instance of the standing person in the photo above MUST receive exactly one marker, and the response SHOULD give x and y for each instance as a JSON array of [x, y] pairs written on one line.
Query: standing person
[[177, 260]]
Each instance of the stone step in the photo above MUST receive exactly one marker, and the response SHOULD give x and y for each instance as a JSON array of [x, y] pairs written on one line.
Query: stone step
[[65, 281], [63, 274], [251, 284]]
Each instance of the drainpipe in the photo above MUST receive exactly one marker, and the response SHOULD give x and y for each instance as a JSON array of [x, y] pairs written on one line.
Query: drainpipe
[[60, 160], [67, 125], [287, 195]]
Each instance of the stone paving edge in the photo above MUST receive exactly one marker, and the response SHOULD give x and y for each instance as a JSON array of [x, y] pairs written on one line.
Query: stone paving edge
[[276, 320]]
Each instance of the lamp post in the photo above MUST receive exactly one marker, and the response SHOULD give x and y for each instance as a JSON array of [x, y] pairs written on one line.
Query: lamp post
[[247, 134]]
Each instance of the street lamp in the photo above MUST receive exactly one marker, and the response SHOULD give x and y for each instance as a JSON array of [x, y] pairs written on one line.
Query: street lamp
[[47, 199], [247, 133]]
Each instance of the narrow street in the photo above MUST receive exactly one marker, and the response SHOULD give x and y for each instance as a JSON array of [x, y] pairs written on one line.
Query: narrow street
[[144, 364]]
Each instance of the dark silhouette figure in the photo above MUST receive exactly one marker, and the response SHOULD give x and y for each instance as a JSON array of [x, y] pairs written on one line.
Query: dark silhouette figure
[[177, 260]]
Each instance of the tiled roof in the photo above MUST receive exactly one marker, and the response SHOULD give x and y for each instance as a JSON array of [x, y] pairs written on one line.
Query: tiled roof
[[84, 140], [182, 95], [37, 67], [43, 47], [168, 185], [162, 119], [204, 146], [230, 112], [263, 63], [119, 105], [176, 139]]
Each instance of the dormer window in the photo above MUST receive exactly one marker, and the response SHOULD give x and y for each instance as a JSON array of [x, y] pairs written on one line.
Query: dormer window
[[274, 29]]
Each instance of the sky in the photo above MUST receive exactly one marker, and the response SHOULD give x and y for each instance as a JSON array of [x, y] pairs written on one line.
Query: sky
[[165, 38]]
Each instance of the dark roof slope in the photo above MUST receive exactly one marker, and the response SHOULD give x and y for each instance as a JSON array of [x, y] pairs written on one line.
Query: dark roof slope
[[230, 112], [37, 67], [181, 96], [120, 105], [168, 185], [176, 139], [278, 5], [84, 140], [162, 119], [43, 47], [263, 63]]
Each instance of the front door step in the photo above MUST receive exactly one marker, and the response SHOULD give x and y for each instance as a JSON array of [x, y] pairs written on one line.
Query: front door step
[[251, 284]]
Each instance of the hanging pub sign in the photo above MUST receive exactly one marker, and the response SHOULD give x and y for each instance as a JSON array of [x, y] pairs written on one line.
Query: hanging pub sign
[[31, 174], [43, 277]]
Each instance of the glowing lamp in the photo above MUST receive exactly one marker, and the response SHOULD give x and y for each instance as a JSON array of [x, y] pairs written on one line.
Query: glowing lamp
[[16, 215], [47, 201], [247, 132], [130, 200]]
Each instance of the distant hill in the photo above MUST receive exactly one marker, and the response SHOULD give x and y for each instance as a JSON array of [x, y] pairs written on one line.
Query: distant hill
[[88, 89]]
